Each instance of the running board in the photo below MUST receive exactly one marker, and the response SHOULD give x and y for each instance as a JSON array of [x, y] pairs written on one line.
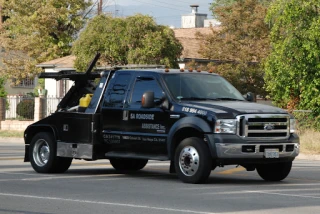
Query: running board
[[135, 155]]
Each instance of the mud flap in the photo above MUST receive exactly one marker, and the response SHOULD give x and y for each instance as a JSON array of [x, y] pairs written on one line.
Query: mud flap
[[26, 153], [172, 169]]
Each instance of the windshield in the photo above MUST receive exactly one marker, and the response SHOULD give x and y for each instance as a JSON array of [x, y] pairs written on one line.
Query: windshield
[[200, 87]]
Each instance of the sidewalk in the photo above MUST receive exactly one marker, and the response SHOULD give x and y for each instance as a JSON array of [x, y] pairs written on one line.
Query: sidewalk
[[11, 140], [8, 140]]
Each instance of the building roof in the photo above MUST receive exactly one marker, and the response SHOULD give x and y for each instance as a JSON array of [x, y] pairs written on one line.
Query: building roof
[[191, 45], [64, 62]]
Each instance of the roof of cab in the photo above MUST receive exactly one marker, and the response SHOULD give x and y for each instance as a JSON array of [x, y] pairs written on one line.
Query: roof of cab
[[169, 71]]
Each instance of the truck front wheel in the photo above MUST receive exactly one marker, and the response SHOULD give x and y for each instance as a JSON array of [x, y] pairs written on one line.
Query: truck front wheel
[[274, 171], [42, 155], [128, 163], [192, 160]]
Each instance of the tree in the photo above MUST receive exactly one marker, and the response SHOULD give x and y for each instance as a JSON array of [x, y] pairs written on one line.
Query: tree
[[132, 40], [220, 3], [36, 31], [223, 3], [293, 67], [241, 43], [3, 92]]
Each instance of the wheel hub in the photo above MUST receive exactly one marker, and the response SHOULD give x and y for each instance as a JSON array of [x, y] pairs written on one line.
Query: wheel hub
[[41, 152], [189, 161]]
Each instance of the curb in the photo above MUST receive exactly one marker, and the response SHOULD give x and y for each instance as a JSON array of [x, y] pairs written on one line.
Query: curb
[[301, 156], [308, 157], [11, 140]]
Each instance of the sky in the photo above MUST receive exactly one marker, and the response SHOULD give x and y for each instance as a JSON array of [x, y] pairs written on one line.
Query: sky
[[165, 12]]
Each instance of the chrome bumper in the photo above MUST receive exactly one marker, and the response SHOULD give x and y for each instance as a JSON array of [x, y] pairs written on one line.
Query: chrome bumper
[[225, 150]]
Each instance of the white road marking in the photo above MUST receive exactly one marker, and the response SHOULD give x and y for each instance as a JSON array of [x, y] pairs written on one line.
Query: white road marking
[[105, 203], [265, 191], [282, 194], [29, 174], [70, 177], [260, 185]]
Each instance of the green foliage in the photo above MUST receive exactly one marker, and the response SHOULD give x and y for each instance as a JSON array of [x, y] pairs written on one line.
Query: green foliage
[[37, 31], [25, 109], [223, 3], [293, 67], [241, 44], [132, 40], [3, 92], [306, 121], [220, 3]]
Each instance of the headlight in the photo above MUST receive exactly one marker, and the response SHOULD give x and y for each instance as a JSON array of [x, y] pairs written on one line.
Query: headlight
[[228, 126], [292, 125]]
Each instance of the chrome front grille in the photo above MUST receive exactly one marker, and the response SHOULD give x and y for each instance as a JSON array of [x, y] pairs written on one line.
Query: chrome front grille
[[263, 126]]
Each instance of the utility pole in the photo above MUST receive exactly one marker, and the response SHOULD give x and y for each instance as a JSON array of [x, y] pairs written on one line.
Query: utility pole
[[100, 7], [1, 17]]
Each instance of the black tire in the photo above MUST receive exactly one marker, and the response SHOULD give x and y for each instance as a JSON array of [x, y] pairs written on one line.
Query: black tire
[[42, 155], [192, 160], [129, 164], [274, 171]]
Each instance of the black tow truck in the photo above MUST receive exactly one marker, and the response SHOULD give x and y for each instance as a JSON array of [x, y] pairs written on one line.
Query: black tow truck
[[196, 120]]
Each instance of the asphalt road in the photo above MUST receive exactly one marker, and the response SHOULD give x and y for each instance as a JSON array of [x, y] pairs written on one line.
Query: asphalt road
[[95, 187]]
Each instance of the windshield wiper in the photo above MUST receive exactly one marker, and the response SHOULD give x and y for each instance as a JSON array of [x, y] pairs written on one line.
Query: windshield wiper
[[229, 98], [192, 98], [198, 98]]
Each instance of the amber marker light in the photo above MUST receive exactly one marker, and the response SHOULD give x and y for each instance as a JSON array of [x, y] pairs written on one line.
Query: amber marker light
[[143, 100]]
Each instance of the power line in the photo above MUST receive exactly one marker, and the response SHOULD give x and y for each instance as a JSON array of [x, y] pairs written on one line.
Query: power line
[[184, 1], [160, 5], [167, 3]]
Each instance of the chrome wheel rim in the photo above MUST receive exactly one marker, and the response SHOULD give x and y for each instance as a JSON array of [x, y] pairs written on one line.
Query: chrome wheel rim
[[41, 152], [189, 161]]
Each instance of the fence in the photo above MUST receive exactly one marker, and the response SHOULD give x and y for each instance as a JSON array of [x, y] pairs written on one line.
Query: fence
[[19, 108], [23, 107], [17, 112], [50, 105]]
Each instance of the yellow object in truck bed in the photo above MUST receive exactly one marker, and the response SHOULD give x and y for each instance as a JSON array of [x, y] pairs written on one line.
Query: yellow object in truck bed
[[84, 101]]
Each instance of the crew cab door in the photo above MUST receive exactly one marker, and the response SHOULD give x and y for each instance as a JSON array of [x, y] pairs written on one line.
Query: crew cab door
[[145, 129], [112, 108]]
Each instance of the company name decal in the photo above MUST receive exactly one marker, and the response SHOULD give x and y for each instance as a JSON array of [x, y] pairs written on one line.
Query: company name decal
[[194, 111], [141, 116], [153, 126]]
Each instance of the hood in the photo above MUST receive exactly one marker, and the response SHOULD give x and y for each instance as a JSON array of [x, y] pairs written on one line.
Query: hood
[[234, 107]]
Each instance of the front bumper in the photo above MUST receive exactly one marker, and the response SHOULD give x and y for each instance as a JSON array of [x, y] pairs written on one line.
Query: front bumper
[[225, 150], [227, 146]]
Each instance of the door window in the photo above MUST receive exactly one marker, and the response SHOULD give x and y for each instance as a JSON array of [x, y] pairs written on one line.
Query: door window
[[115, 94], [143, 84]]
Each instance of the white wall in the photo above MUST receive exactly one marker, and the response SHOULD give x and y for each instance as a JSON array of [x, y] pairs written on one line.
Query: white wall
[[193, 20], [19, 90], [52, 85]]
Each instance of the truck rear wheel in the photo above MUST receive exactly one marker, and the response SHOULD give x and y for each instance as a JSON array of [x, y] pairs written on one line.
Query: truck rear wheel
[[42, 155], [274, 171], [192, 160], [128, 163]]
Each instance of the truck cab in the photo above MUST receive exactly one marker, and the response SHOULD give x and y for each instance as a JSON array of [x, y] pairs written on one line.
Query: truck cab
[[196, 120]]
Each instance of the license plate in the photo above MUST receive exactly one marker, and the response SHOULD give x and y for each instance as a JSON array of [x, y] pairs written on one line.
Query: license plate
[[271, 153]]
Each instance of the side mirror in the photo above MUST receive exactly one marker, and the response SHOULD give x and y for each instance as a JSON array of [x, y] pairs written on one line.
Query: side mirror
[[251, 97], [147, 100]]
